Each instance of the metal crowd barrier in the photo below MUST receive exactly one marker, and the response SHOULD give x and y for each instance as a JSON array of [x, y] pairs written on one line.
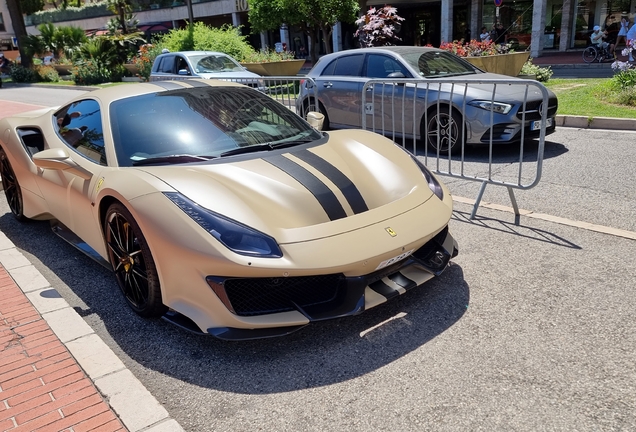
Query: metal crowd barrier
[[398, 108], [284, 89]]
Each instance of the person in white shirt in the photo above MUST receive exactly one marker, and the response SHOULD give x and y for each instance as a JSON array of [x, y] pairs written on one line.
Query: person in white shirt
[[485, 35], [597, 37]]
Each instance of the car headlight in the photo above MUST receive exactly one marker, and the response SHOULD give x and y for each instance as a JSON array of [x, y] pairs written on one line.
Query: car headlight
[[235, 236], [497, 107], [433, 184]]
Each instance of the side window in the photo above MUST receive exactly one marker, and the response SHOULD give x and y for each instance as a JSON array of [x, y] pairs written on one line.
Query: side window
[[349, 65], [167, 64], [328, 71], [80, 127], [182, 64], [381, 66]]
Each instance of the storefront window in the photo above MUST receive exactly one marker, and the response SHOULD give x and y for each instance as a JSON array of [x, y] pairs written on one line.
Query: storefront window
[[607, 15], [516, 17]]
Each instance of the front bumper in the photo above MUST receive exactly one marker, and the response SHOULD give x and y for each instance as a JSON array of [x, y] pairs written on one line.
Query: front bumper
[[327, 296]]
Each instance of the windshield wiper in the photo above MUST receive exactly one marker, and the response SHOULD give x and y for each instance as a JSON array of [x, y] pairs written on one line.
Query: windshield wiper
[[264, 147], [181, 158]]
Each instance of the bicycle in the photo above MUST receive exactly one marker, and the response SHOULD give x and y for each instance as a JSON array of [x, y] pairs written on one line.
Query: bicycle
[[593, 53]]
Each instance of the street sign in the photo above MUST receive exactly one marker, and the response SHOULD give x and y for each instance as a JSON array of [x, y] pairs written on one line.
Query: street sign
[[498, 3]]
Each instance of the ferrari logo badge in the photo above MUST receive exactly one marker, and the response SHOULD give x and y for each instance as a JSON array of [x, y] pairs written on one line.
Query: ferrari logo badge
[[99, 184], [390, 231]]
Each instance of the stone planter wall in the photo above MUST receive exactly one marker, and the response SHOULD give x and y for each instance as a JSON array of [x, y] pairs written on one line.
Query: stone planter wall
[[504, 64], [279, 68]]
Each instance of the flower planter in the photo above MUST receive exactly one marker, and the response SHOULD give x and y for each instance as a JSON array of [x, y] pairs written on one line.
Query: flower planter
[[277, 68], [132, 68], [504, 64], [63, 69]]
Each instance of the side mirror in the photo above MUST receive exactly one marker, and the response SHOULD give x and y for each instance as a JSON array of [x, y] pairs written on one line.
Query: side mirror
[[183, 72], [396, 75], [315, 119], [58, 159]]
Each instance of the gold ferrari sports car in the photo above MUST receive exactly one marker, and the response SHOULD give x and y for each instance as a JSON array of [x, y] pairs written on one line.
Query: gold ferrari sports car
[[221, 210]]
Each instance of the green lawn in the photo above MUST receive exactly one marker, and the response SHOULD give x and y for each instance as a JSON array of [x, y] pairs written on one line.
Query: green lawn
[[587, 97]]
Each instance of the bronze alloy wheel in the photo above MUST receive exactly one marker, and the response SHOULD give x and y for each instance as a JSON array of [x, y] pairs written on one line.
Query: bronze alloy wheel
[[132, 262], [11, 187]]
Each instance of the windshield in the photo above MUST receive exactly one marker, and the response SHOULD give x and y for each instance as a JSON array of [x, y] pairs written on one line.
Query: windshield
[[214, 63], [435, 64], [203, 122]]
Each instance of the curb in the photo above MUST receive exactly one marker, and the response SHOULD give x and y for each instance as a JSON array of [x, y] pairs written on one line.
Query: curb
[[583, 122], [137, 409]]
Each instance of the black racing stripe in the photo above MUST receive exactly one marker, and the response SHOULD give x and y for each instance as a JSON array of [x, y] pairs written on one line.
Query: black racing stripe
[[402, 281], [384, 290], [194, 83], [323, 194], [349, 190], [168, 85]]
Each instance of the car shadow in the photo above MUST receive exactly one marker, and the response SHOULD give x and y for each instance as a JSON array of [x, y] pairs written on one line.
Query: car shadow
[[501, 154], [320, 354]]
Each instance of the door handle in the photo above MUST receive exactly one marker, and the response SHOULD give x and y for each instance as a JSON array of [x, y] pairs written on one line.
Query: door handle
[[327, 84]]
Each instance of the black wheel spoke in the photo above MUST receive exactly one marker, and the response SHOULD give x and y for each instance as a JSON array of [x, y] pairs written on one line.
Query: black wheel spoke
[[132, 263]]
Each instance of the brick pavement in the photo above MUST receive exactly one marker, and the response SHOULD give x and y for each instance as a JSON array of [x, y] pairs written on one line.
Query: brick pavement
[[42, 388]]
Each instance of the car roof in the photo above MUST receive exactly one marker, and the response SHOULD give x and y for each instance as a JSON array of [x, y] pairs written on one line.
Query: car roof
[[193, 53]]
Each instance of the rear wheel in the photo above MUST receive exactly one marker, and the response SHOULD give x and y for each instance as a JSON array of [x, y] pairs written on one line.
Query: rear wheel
[[442, 130], [132, 262], [11, 187], [589, 54]]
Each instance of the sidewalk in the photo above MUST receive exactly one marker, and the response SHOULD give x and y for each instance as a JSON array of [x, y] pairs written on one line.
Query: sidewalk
[[56, 374]]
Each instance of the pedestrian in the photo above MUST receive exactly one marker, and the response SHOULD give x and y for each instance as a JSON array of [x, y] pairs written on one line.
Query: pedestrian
[[484, 36], [622, 33], [501, 34], [631, 36]]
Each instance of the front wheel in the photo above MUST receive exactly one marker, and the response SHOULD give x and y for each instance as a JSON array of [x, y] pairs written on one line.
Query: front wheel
[[589, 54], [132, 262], [11, 187], [442, 131]]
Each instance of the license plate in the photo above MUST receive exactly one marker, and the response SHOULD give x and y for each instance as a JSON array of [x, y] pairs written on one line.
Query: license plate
[[536, 125], [393, 260]]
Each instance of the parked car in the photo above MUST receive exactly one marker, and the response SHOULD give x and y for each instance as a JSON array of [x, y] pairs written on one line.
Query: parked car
[[340, 78], [197, 64], [224, 211]]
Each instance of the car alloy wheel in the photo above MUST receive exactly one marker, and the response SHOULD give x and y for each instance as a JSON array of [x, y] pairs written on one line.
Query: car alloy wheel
[[132, 262], [11, 187], [443, 131]]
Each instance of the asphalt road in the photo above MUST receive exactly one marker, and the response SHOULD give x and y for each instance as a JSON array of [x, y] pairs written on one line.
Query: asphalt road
[[531, 327]]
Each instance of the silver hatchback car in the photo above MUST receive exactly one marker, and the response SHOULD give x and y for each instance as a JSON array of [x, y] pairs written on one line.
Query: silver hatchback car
[[442, 110], [198, 64]]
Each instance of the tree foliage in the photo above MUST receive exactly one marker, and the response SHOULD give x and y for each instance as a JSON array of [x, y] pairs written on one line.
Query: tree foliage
[[30, 7], [309, 16], [379, 27], [226, 39]]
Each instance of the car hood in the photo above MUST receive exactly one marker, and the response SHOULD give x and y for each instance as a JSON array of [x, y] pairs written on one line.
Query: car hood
[[357, 178], [505, 93]]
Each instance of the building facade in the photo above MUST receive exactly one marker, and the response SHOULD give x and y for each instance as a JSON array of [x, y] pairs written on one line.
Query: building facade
[[539, 25]]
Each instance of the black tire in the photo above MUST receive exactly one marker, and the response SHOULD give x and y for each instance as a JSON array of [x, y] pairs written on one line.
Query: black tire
[[132, 262], [11, 187], [589, 54], [310, 105], [443, 130]]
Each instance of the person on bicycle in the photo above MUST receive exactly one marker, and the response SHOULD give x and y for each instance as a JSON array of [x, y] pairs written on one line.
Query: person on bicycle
[[597, 37]]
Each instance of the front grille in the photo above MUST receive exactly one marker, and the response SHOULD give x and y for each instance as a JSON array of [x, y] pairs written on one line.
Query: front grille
[[532, 109], [259, 296]]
